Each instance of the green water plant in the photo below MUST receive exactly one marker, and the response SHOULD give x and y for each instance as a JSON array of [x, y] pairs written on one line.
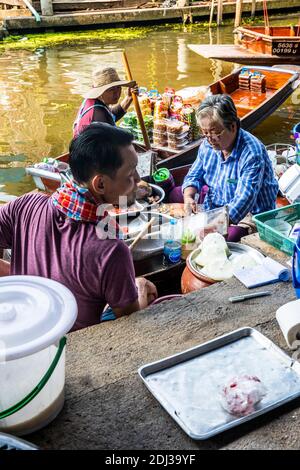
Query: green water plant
[[54, 39]]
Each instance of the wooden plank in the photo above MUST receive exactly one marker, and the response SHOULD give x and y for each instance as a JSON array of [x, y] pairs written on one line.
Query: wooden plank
[[71, 5], [237, 54], [219, 12], [87, 2], [13, 12], [12, 3], [253, 6], [278, 33], [238, 13], [95, 4]]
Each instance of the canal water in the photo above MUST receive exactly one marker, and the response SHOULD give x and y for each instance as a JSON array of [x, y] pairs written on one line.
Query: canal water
[[41, 90]]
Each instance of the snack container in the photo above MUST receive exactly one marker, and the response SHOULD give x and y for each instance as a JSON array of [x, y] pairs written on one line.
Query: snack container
[[175, 126], [244, 79], [159, 125], [258, 82], [178, 139], [177, 146]]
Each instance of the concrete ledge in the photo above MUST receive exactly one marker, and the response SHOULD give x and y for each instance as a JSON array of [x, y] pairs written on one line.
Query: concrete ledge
[[108, 407], [148, 15]]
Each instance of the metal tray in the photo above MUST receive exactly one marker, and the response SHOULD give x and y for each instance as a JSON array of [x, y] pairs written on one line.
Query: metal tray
[[236, 250], [188, 384]]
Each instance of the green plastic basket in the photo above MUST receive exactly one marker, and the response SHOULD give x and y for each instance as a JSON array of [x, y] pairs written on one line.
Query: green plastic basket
[[287, 214]]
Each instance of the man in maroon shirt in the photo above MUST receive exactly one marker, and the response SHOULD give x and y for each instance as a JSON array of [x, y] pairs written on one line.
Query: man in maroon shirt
[[49, 240]]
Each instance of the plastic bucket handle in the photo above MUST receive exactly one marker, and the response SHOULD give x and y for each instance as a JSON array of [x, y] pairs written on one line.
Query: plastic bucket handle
[[18, 406]]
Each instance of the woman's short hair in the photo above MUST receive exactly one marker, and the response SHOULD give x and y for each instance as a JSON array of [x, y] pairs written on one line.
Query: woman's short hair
[[218, 108]]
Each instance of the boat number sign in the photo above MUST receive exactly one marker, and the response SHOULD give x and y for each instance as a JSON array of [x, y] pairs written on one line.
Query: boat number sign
[[285, 48]]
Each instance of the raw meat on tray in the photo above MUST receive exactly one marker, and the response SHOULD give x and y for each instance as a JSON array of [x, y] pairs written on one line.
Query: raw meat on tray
[[240, 395]]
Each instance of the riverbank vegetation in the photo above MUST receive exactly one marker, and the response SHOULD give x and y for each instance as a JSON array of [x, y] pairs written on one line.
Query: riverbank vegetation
[[70, 38]]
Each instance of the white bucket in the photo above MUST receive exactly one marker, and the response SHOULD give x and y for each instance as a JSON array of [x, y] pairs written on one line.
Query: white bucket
[[35, 313]]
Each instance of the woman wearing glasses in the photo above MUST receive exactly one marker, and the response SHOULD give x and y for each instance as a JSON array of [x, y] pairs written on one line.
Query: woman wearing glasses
[[233, 165]]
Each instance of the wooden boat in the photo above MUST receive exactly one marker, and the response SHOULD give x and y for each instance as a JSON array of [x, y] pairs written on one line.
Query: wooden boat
[[252, 108], [257, 45], [281, 42]]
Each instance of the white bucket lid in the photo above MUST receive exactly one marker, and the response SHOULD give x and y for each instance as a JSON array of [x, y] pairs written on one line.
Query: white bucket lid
[[35, 312]]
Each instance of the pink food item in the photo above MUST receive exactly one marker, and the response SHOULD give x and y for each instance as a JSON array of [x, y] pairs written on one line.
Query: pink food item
[[240, 395]]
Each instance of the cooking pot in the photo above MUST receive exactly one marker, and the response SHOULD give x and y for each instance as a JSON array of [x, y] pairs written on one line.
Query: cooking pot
[[35, 314]]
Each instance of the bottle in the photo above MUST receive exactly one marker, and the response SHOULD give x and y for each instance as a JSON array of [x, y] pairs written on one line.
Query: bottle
[[172, 247]]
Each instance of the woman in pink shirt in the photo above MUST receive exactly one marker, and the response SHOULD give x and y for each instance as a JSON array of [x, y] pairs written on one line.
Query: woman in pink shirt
[[101, 103]]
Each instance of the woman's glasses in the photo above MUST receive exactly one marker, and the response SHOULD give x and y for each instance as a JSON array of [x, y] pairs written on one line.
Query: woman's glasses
[[213, 135]]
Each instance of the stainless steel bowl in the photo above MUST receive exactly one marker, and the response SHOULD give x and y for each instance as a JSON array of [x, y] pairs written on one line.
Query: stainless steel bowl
[[138, 207]]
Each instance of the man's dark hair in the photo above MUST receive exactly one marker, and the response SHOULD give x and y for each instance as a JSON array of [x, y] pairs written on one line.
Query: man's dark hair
[[97, 150]]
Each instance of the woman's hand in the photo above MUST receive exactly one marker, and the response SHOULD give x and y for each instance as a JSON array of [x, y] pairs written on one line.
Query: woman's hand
[[190, 199], [126, 102], [134, 89]]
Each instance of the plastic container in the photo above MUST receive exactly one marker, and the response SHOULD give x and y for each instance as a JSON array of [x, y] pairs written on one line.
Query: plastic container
[[159, 125], [160, 134], [164, 179], [296, 267], [160, 142], [244, 79], [35, 313], [258, 82], [178, 137], [289, 184], [280, 226], [177, 146], [272, 236], [175, 127]]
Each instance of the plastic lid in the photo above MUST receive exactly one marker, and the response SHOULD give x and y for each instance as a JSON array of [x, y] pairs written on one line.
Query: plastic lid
[[35, 312], [161, 175]]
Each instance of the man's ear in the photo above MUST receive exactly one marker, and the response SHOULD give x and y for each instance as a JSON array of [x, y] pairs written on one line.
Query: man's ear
[[97, 184]]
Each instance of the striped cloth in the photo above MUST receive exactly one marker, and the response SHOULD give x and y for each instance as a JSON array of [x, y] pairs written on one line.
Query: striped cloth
[[78, 203], [245, 181]]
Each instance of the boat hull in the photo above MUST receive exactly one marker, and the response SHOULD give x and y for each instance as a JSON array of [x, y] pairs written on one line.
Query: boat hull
[[280, 41], [240, 55]]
